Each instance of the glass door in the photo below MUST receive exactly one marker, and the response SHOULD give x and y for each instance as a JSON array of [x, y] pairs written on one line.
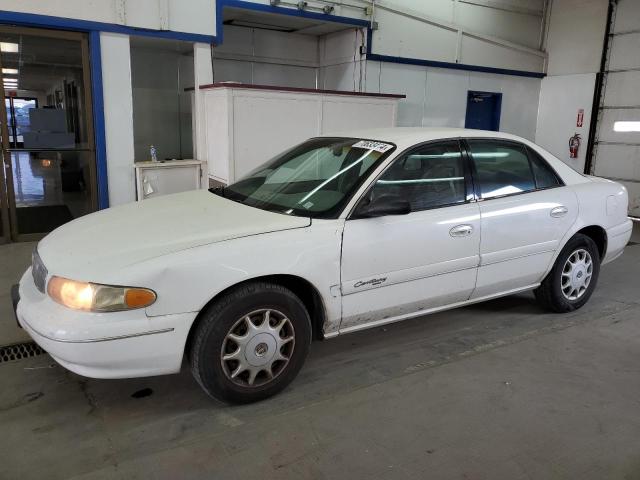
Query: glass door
[[18, 118], [48, 151]]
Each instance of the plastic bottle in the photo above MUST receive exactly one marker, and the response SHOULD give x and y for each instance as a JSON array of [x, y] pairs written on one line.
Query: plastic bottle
[[154, 153]]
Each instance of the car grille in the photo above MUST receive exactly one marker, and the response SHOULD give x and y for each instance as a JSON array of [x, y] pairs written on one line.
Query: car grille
[[39, 271]]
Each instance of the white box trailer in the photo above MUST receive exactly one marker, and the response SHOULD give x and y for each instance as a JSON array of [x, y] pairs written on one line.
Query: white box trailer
[[246, 125]]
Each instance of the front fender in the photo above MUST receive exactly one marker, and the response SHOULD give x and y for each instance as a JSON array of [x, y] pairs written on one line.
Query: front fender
[[186, 281]]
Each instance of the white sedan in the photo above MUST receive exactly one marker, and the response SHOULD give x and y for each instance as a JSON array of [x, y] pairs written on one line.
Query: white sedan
[[338, 234]]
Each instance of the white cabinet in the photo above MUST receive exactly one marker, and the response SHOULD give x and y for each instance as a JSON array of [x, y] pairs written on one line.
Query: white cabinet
[[246, 125], [172, 176]]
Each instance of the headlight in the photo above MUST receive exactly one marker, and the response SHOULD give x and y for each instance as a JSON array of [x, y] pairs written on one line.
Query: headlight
[[93, 297]]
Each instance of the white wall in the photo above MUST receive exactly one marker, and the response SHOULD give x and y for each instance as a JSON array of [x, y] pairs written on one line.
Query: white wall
[[575, 36], [192, 16], [472, 33], [501, 34], [438, 97], [266, 57], [574, 41], [435, 96], [561, 96], [118, 116]]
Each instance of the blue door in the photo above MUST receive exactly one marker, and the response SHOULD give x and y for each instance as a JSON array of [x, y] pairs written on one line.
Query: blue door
[[483, 110]]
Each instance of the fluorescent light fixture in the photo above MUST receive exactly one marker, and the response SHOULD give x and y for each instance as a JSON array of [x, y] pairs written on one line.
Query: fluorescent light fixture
[[9, 80], [10, 87], [624, 126], [10, 71], [8, 47]]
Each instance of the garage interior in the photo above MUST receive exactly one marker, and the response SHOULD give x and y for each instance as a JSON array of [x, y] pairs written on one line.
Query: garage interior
[[501, 389]]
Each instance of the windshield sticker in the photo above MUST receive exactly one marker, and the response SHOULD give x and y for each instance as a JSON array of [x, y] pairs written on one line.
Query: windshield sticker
[[376, 146], [308, 205]]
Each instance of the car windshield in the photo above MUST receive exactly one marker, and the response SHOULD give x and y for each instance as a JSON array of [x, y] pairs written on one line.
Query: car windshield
[[315, 179]]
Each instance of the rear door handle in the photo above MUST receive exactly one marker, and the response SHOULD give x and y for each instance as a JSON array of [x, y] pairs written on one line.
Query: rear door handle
[[560, 211], [461, 231]]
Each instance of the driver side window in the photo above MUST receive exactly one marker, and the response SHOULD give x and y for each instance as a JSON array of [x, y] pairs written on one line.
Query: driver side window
[[431, 176]]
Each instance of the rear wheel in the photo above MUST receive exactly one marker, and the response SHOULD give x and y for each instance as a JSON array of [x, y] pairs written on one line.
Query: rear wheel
[[573, 277], [251, 343]]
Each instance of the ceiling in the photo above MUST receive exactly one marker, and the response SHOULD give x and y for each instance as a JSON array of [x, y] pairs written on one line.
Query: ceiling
[[285, 23]]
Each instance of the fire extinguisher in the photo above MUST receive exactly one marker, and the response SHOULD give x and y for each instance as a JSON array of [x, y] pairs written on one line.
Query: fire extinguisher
[[574, 145]]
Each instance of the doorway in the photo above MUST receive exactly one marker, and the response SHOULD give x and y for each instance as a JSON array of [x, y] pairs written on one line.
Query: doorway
[[48, 151], [18, 118], [483, 110]]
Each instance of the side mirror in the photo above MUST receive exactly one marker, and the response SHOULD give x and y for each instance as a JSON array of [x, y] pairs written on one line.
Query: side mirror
[[382, 206]]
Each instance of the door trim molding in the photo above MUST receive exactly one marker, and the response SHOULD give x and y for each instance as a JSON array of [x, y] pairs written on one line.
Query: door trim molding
[[491, 258], [409, 275], [385, 321]]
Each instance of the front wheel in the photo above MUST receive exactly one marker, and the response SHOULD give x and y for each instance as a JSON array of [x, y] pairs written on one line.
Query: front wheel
[[251, 343], [573, 277]]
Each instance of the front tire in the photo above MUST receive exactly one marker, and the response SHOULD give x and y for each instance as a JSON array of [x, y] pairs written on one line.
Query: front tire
[[573, 277], [251, 343]]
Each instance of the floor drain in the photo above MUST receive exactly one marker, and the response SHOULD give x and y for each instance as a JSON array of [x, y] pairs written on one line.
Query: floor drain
[[145, 392], [19, 351]]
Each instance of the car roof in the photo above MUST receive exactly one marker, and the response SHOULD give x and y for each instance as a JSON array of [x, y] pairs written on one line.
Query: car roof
[[406, 137], [413, 135]]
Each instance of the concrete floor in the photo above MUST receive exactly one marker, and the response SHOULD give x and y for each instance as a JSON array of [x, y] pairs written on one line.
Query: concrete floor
[[15, 258], [496, 390]]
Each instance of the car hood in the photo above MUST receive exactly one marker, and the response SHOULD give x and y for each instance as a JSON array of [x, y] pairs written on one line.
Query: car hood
[[117, 237]]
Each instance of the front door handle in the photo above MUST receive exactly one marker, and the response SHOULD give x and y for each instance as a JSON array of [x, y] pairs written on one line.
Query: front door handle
[[560, 211], [461, 231]]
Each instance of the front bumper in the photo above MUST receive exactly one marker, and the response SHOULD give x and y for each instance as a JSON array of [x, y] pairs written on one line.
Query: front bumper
[[103, 345]]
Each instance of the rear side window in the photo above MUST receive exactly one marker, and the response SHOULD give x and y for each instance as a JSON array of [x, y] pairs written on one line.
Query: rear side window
[[544, 174], [503, 168]]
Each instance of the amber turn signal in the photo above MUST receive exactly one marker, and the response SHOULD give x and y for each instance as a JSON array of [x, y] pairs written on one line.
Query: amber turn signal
[[139, 297]]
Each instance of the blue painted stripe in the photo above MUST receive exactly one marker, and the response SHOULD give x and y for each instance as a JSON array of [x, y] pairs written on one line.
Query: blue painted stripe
[[453, 66], [95, 64], [369, 40], [63, 23]]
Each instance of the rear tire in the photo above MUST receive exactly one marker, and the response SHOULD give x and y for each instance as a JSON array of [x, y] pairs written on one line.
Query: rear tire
[[251, 343], [573, 278]]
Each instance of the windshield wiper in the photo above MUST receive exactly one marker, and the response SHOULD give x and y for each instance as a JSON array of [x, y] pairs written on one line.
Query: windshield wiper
[[219, 190]]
